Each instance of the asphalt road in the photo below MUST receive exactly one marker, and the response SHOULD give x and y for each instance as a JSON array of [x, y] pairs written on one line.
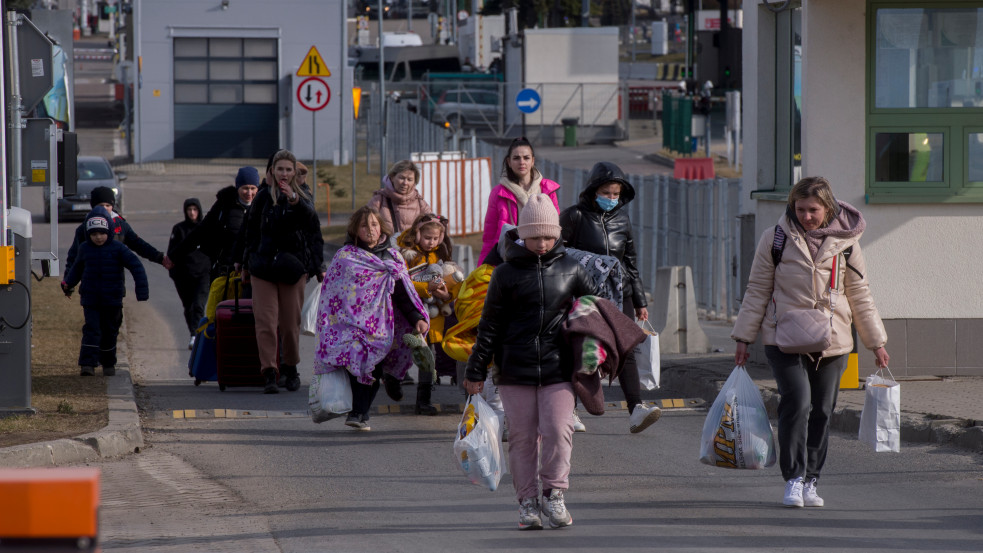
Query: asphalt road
[[281, 483]]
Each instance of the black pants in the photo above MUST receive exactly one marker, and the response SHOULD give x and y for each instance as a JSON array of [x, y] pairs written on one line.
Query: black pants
[[628, 379], [364, 394], [808, 398], [193, 291], [99, 335]]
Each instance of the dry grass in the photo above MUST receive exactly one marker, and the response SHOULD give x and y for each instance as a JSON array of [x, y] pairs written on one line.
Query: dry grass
[[67, 404]]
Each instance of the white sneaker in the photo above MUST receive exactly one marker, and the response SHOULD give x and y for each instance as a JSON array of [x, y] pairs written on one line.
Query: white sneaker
[[809, 496], [643, 417], [578, 425], [191, 344], [529, 515], [556, 509], [793, 493]]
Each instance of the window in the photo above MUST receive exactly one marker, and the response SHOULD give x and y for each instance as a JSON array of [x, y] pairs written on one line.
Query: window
[[925, 101], [225, 71]]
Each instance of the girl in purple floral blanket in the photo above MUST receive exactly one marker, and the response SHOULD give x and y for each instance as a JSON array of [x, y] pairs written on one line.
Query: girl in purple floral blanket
[[367, 303]]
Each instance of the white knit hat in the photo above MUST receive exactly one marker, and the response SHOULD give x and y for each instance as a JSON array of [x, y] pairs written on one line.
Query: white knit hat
[[539, 218]]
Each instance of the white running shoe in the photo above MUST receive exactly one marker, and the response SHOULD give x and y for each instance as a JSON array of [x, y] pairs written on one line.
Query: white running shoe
[[578, 425], [556, 509], [529, 515], [643, 417], [809, 496], [793, 493]]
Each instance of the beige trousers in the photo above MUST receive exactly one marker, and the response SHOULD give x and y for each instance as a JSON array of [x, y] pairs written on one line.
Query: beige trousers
[[277, 306]]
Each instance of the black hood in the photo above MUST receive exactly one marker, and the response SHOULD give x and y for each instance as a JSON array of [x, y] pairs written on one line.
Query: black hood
[[602, 173], [196, 203]]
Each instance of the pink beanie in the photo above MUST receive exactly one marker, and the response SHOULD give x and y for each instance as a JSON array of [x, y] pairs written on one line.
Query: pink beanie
[[539, 218]]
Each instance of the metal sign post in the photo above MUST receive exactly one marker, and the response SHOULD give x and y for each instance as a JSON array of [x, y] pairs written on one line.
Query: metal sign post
[[356, 100]]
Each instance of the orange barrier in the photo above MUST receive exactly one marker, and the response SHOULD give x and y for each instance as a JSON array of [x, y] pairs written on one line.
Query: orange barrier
[[49, 503], [458, 189], [693, 168]]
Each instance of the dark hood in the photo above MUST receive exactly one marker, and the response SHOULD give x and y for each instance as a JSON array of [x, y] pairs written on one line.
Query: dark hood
[[602, 173], [196, 203]]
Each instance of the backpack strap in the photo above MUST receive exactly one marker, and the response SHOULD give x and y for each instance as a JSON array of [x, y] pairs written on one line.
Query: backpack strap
[[392, 211], [846, 259], [778, 246]]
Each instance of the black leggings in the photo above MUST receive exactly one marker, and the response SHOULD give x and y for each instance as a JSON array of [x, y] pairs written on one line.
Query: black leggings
[[364, 394], [628, 379]]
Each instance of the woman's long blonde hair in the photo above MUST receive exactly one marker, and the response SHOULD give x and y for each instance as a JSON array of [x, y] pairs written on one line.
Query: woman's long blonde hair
[[289, 156], [814, 187]]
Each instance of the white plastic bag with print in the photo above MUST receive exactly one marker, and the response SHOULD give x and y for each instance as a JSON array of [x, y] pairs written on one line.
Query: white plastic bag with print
[[880, 421], [330, 395], [647, 358], [478, 445], [308, 315], [737, 433]]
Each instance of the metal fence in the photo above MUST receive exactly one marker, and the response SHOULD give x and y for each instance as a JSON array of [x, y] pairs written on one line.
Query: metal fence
[[675, 222]]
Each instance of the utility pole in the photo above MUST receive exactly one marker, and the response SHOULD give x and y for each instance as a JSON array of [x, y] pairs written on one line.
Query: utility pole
[[382, 99]]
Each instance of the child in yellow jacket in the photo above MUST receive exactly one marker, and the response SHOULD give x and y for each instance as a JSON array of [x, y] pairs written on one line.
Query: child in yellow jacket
[[427, 243]]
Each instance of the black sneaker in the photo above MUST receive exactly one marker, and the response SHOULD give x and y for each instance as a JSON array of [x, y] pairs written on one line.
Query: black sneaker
[[393, 388], [293, 383], [289, 378], [87, 371], [270, 374], [109, 371]]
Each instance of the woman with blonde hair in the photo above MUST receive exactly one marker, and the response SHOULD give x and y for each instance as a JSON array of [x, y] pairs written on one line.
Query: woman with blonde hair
[[282, 249], [810, 260]]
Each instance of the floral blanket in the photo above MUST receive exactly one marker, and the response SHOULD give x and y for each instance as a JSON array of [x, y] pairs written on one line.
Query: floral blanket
[[357, 324]]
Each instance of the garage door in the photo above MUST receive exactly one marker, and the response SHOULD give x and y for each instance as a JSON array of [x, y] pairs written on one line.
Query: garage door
[[225, 97]]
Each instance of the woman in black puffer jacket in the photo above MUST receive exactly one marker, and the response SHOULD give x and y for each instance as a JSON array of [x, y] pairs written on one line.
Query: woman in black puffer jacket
[[529, 297], [600, 224], [282, 248]]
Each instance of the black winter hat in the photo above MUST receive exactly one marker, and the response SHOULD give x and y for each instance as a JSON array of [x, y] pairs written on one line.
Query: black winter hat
[[102, 194]]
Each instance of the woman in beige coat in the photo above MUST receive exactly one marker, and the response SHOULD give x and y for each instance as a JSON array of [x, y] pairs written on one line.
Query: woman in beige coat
[[818, 231]]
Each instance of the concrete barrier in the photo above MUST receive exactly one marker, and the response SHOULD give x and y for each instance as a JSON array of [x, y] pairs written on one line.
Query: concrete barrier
[[674, 314]]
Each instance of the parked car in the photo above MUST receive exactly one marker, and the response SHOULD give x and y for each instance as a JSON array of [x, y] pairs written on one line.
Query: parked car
[[93, 171], [467, 106]]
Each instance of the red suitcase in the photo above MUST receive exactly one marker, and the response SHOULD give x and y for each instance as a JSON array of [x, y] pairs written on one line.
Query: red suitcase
[[237, 357]]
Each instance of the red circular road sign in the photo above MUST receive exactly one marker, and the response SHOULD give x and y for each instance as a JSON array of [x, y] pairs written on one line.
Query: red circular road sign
[[313, 93]]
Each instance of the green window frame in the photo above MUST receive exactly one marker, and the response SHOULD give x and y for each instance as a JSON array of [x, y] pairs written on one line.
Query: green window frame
[[934, 102]]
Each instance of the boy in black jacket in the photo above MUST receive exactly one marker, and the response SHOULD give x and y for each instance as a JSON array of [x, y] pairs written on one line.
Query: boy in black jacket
[[191, 269], [99, 266]]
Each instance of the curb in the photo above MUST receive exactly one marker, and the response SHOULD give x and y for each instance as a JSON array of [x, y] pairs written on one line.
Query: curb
[[915, 427], [121, 436]]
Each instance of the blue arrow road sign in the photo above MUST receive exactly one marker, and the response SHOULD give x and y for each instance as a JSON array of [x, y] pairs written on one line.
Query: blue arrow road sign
[[527, 100]]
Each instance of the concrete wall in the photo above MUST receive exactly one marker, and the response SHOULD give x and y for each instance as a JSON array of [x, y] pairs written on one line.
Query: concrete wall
[[921, 258], [296, 24]]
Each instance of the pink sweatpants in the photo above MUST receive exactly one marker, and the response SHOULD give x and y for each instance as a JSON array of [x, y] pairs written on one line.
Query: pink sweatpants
[[539, 416], [277, 306]]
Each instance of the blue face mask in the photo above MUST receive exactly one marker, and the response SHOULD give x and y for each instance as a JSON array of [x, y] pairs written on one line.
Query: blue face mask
[[606, 204]]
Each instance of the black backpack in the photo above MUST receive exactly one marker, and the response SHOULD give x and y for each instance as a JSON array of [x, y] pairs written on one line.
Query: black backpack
[[778, 246]]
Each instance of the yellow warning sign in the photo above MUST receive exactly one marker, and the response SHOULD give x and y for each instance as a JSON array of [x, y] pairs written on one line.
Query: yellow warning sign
[[313, 65], [38, 175]]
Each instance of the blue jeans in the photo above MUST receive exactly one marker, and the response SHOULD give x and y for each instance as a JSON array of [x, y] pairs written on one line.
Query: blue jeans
[[808, 395]]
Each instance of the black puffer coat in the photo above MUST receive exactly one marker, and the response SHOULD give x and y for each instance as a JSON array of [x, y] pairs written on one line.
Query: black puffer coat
[[218, 232], [195, 263], [587, 227], [277, 227], [528, 298]]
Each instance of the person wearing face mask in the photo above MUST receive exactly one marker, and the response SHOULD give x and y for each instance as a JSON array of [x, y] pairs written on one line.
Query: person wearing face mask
[[519, 180], [218, 232], [398, 202], [281, 250], [599, 224]]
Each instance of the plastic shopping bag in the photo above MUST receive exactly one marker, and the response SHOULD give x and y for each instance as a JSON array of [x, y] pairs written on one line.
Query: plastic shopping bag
[[308, 315], [880, 421], [647, 358], [737, 433], [478, 446], [330, 395]]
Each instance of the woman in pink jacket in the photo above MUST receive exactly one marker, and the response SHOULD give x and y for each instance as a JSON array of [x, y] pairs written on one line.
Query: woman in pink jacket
[[520, 179]]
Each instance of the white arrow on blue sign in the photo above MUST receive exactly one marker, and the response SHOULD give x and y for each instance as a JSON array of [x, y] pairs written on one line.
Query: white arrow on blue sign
[[527, 100]]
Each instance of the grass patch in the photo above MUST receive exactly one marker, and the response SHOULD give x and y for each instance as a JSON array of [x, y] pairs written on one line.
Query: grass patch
[[336, 180], [67, 405]]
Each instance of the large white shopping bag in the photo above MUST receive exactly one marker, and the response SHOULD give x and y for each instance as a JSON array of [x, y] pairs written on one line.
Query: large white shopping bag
[[880, 421], [647, 358]]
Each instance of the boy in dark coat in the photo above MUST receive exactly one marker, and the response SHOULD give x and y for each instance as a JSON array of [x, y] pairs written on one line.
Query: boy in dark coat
[[119, 229], [191, 269], [99, 266]]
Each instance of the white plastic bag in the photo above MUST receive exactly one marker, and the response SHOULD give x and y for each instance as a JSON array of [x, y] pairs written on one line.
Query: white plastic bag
[[330, 395], [880, 421], [737, 433], [647, 358], [308, 315], [478, 445]]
